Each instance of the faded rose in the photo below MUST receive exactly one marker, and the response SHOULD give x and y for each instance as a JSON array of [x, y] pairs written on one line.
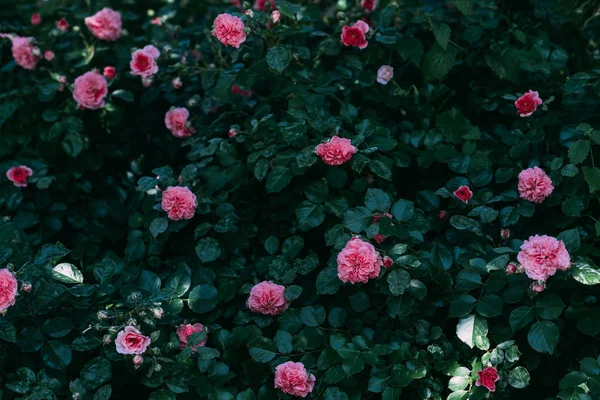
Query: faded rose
[[25, 54], [105, 24], [185, 330]]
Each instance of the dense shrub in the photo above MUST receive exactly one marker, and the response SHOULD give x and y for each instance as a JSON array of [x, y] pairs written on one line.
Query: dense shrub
[[330, 201]]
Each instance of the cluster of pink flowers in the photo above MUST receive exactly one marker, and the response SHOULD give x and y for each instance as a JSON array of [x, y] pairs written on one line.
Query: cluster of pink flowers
[[534, 185], [185, 330], [176, 120], [143, 61], [8, 289], [90, 90], [179, 203], [355, 35], [293, 378], [25, 53], [229, 30], [336, 151], [105, 24], [131, 341], [267, 298], [18, 175], [542, 256], [527, 104], [358, 262]]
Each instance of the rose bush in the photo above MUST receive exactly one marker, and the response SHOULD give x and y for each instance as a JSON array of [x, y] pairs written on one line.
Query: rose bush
[[325, 199]]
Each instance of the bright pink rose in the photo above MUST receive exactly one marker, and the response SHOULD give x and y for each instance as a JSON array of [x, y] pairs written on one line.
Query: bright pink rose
[[110, 72], [18, 175], [143, 62], [335, 151], [542, 256], [355, 35], [229, 30], [385, 73], [62, 25], [368, 5], [464, 194], [292, 378], [267, 298], [179, 202], [527, 104], [90, 90], [131, 341], [25, 54], [49, 55], [262, 4], [105, 24], [379, 238], [8, 289], [534, 185], [185, 330], [358, 262], [276, 16], [176, 121], [488, 378], [36, 19]]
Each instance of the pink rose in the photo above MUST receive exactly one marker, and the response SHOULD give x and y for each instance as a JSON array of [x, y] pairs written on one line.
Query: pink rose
[[179, 202], [176, 120], [49, 55], [379, 238], [262, 4], [358, 262], [36, 19], [105, 24], [292, 378], [90, 90], [131, 341], [488, 378], [138, 360], [534, 185], [276, 16], [542, 256], [527, 104], [267, 298], [8, 289], [385, 73], [464, 194], [336, 151], [368, 5], [62, 25], [110, 72], [25, 54], [355, 35], [18, 175], [185, 330], [387, 262], [229, 30], [143, 62]]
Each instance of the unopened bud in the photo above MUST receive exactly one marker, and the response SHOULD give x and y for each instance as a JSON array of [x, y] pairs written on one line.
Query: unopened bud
[[387, 262], [158, 312], [538, 286], [26, 286], [511, 268], [177, 83], [138, 360], [504, 233], [157, 367], [102, 315], [107, 339]]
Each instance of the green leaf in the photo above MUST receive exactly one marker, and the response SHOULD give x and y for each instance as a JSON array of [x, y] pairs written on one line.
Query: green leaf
[[292, 246], [377, 200], [518, 378], [471, 329], [279, 57], [123, 95], [391, 393], [95, 372], [158, 225], [272, 244], [442, 34], [56, 354], [208, 250], [379, 168], [543, 337], [585, 271], [162, 395], [573, 379], [57, 327], [283, 340], [378, 383], [521, 317], [464, 6], [278, 178], [403, 210], [578, 151], [313, 316], [490, 305], [333, 393], [292, 292], [592, 177], [288, 9], [67, 273], [549, 306], [328, 281], [462, 223], [103, 393], [309, 215], [438, 62], [8, 332], [262, 350], [461, 305], [398, 281], [357, 219], [203, 298], [570, 239]]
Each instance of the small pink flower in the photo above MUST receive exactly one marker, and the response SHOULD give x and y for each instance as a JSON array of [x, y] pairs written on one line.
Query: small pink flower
[[62, 79], [534, 185], [138, 360], [8, 289], [179, 202], [464, 194], [26, 287], [442, 214], [387, 262], [143, 62], [89, 90], [158, 312], [542, 256], [488, 378], [235, 89], [355, 35], [25, 54], [358, 262], [511, 268], [336, 151], [185, 330], [229, 30], [62, 25], [156, 21], [177, 83], [105, 24], [385, 74], [292, 378], [538, 286], [18, 175], [176, 120], [504, 233], [232, 133], [369, 5], [110, 72], [36, 19], [275, 16], [527, 104], [379, 238], [267, 298], [49, 55], [131, 341]]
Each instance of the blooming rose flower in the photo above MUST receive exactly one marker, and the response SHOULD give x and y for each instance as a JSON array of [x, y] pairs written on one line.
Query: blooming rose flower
[[177, 83], [36, 19], [542, 256], [276, 16], [534, 185], [185, 330], [49, 55], [235, 89], [110, 72], [131, 341], [18, 175], [292, 378], [527, 104], [179, 202], [488, 378], [379, 238], [262, 4], [267, 298], [8, 289], [229, 30], [355, 35], [62, 25], [335, 151], [464, 194], [385, 73], [143, 62], [105, 24], [176, 120], [368, 5], [538, 286], [25, 54], [358, 262], [387, 262], [89, 90]]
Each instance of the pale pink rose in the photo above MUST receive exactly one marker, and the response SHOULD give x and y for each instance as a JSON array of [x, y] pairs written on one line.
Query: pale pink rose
[[179, 202], [379, 238], [176, 120], [267, 298], [276, 16], [177, 83], [49, 55], [336, 151], [185, 330], [18, 175], [62, 25], [385, 73], [8, 289], [534, 185], [25, 54], [89, 90], [292, 378], [229, 30], [542, 256], [527, 104], [358, 262], [369, 5], [105, 24], [355, 35], [143, 62], [131, 341]]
